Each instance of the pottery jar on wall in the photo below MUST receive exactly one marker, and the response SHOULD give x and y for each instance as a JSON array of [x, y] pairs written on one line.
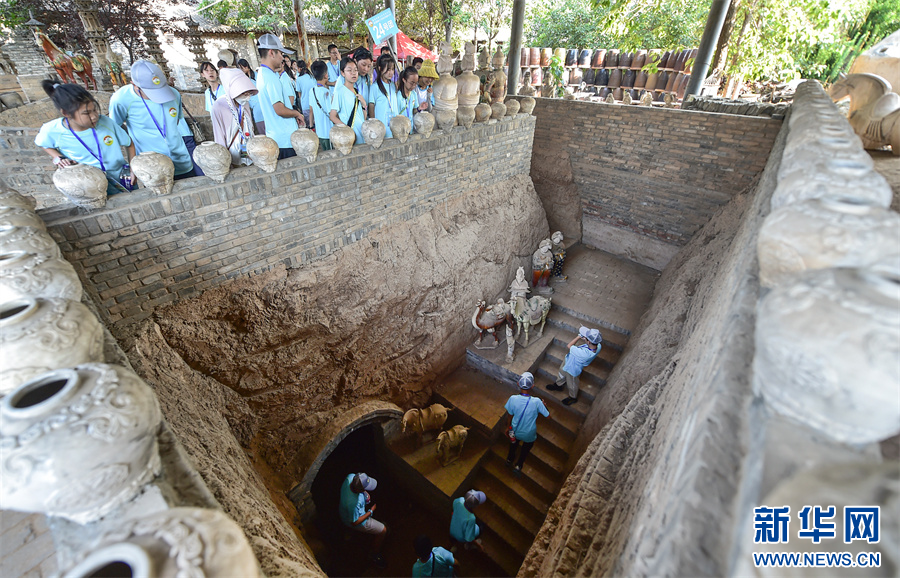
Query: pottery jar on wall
[[12, 199], [400, 128], [498, 110], [601, 78], [561, 54], [612, 58], [343, 137], [84, 185], [373, 131], [424, 123], [263, 151], [483, 112], [214, 159], [32, 275], [512, 107], [445, 119], [305, 143], [534, 58], [546, 53], [155, 171], [39, 335], [598, 58], [465, 116], [527, 103], [584, 59], [78, 442], [826, 352], [615, 78], [29, 240]]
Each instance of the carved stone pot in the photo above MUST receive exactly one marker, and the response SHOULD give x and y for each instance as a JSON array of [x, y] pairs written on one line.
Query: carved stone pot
[[342, 138], [512, 107], [79, 442], [527, 104], [84, 185], [465, 116], [833, 180], [424, 123], [155, 171], [306, 144], [157, 546], [31, 275], [373, 131], [12, 199], [39, 335], [263, 151], [823, 233], [445, 119], [214, 159], [826, 352], [498, 110], [483, 112], [29, 240], [21, 218], [400, 128]]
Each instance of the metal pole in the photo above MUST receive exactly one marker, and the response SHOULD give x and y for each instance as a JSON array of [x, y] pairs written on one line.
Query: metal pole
[[515, 47], [714, 21], [392, 41]]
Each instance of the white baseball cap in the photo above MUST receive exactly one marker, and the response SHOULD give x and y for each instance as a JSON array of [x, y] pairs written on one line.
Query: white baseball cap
[[150, 79], [474, 498], [272, 41], [367, 483]]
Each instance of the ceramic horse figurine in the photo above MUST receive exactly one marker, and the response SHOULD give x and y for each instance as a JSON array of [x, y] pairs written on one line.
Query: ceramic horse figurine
[[67, 66], [874, 109], [534, 313]]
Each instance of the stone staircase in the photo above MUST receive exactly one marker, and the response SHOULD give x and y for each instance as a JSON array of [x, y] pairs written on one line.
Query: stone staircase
[[517, 505]]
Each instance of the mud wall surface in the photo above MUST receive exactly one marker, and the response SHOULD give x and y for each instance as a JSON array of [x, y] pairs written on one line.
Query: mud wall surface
[[145, 250], [656, 491], [249, 373], [641, 181]]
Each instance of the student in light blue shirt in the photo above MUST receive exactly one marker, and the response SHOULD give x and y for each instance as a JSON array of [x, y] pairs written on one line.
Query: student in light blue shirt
[[151, 111], [83, 135], [463, 524], [334, 66], [523, 411], [363, 84], [432, 561], [347, 107], [281, 120], [578, 357], [305, 84], [215, 89], [258, 121], [320, 105], [356, 509], [394, 100]]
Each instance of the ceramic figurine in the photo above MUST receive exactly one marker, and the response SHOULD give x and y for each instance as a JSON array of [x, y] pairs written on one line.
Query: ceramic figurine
[[468, 88], [483, 112], [373, 131], [610, 99], [31, 275], [489, 318], [420, 421], [512, 107], [446, 100], [527, 89], [342, 138], [518, 291], [626, 98], [84, 185], [498, 88], [874, 109], [424, 123], [263, 151], [647, 98], [541, 264], [534, 312], [78, 443], [527, 104], [450, 444], [401, 127], [559, 255], [155, 171], [669, 100], [173, 543], [498, 110], [214, 159], [826, 352], [28, 240], [14, 217], [39, 335], [12, 199]]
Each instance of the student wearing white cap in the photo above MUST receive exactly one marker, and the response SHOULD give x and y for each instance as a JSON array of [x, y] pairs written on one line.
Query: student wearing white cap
[[151, 111], [463, 524], [274, 99], [578, 357], [356, 510], [523, 410]]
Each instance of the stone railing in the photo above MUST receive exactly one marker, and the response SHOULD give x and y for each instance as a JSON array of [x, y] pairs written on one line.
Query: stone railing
[[740, 107]]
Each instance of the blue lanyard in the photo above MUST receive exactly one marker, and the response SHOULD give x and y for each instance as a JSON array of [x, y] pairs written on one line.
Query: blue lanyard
[[336, 68], [264, 66], [84, 144], [162, 130]]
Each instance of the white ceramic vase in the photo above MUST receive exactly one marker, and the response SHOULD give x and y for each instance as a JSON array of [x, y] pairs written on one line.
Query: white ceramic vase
[[214, 159], [33, 275], [465, 116], [483, 112], [305, 143], [12, 199], [263, 151], [445, 119], [155, 171], [84, 185], [29, 240], [822, 233], [39, 335], [175, 543], [78, 443], [424, 123], [20, 218], [342, 138], [400, 128], [527, 103], [498, 110], [834, 181], [373, 132], [512, 107], [827, 352]]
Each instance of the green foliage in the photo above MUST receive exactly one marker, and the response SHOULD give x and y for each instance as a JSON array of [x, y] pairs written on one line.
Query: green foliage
[[272, 15], [556, 74]]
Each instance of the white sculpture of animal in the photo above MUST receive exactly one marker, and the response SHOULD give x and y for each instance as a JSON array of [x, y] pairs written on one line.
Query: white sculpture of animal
[[489, 318], [422, 420], [874, 109], [450, 444], [535, 312]]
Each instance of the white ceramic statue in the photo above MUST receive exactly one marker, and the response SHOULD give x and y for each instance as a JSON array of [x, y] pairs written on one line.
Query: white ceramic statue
[[446, 100], [874, 109], [214, 159], [518, 291], [305, 143], [84, 185], [469, 88], [498, 87], [155, 171], [534, 312], [526, 89], [25, 275]]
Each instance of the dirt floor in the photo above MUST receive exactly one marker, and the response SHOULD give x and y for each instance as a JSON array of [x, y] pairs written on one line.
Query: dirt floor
[[889, 166]]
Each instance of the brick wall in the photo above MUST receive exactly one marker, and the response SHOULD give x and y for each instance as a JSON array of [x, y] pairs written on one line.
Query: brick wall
[[35, 114], [143, 250], [660, 173]]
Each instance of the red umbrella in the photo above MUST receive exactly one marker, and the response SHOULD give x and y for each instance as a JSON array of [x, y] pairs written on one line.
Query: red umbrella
[[408, 47]]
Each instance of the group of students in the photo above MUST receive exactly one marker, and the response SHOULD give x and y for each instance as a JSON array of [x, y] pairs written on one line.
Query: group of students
[[276, 100]]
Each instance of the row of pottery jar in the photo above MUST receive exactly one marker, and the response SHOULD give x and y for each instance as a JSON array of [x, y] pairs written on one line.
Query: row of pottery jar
[[828, 325], [674, 60]]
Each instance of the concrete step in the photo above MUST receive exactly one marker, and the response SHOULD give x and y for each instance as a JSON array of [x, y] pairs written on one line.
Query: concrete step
[[511, 535], [478, 396], [542, 479], [588, 390], [499, 554], [535, 502], [512, 506], [563, 319], [571, 416]]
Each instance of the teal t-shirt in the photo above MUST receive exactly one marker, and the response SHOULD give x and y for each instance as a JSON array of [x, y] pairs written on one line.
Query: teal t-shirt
[[272, 90], [208, 96], [392, 104], [364, 87], [352, 505], [319, 105], [305, 84], [525, 410], [344, 101], [462, 525], [111, 138], [289, 87], [579, 357], [151, 126], [440, 563], [334, 72]]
